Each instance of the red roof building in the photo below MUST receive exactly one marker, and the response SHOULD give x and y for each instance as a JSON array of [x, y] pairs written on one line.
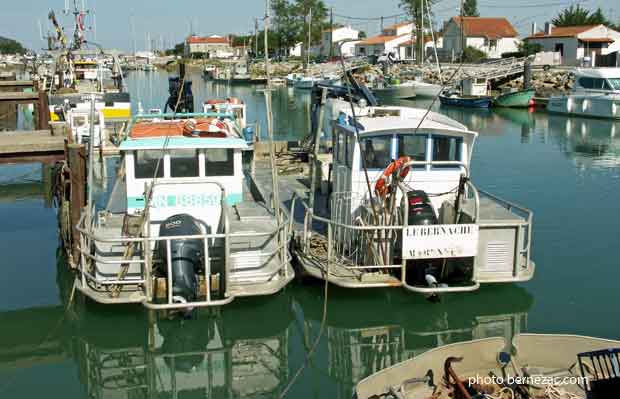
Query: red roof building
[[492, 35], [577, 45]]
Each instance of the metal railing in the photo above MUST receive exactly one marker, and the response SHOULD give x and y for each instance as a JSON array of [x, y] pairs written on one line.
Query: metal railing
[[90, 259], [374, 237]]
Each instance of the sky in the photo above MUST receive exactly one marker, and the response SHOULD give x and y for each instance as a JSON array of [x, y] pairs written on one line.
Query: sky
[[166, 21]]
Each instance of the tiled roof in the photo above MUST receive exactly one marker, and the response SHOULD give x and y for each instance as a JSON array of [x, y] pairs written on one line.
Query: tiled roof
[[596, 40], [564, 31], [491, 28], [208, 40], [380, 39]]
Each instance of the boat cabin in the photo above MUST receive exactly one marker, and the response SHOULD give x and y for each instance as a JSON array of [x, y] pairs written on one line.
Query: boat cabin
[[597, 80], [79, 121], [440, 149], [230, 105], [190, 170]]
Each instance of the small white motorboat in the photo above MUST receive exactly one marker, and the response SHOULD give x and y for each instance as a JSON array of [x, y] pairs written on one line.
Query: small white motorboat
[[596, 93]]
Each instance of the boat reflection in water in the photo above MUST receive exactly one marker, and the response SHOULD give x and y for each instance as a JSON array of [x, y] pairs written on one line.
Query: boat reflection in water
[[371, 331], [216, 355], [591, 143]]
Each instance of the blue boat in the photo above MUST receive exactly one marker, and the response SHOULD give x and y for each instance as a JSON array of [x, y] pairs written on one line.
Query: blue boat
[[457, 100]]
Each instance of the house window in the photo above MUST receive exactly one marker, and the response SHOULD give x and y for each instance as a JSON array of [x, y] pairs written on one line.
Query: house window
[[362, 50], [493, 43], [219, 162], [559, 48]]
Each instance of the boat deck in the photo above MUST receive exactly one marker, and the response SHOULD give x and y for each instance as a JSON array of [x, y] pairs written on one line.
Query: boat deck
[[255, 265]]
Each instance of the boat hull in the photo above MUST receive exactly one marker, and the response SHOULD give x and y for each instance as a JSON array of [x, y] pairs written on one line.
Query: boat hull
[[398, 92], [426, 89], [519, 99], [467, 102], [593, 106]]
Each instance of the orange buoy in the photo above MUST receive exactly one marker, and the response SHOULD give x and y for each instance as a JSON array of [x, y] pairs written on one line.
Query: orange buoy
[[380, 186]]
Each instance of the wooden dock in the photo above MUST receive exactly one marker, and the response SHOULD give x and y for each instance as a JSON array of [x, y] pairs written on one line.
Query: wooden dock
[[31, 146]]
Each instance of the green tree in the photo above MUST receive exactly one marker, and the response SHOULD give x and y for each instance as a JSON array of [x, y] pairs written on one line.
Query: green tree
[[470, 8], [178, 49], [472, 54], [10, 46], [417, 10], [527, 48], [362, 35], [575, 15], [284, 25]]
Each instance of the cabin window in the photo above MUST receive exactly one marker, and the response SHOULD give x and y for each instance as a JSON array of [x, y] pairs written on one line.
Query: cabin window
[[350, 150], [184, 163], [615, 83], [446, 149], [377, 152], [342, 148], [594, 83], [413, 147], [219, 162], [145, 164]]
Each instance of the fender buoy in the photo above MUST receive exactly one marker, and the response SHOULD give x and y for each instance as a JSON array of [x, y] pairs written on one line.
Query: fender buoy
[[381, 189], [205, 127]]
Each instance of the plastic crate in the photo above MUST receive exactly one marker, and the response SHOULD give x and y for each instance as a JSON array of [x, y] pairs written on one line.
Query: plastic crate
[[603, 382]]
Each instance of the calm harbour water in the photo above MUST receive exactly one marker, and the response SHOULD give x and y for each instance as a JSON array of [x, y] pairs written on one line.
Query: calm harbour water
[[567, 170]]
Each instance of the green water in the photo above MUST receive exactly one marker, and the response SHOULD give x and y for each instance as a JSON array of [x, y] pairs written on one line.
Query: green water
[[567, 170]]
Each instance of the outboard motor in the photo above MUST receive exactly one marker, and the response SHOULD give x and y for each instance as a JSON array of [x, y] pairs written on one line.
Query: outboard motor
[[186, 255], [421, 212]]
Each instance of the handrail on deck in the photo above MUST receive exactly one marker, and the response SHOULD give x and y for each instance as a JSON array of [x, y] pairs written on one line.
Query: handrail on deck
[[88, 236]]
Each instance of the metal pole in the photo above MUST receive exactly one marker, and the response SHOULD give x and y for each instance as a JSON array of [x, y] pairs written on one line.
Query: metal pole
[[430, 26], [267, 44], [255, 37], [91, 157], [462, 30], [315, 152], [309, 37], [331, 32]]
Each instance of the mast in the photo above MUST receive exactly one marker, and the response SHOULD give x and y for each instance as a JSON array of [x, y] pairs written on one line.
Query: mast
[[267, 43], [309, 37], [462, 30]]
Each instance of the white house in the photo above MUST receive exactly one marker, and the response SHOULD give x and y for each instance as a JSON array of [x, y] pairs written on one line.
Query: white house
[[387, 42], [494, 36], [576, 42], [331, 37], [213, 46], [406, 50]]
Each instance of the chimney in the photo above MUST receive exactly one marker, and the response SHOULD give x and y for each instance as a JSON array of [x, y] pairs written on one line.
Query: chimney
[[548, 28], [534, 30]]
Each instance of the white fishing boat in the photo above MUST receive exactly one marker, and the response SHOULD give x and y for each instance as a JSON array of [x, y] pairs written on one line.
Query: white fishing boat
[[525, 366], [79, 122], [403, 211], [183, 226], [596, 93], [424, 89], [397, 90]]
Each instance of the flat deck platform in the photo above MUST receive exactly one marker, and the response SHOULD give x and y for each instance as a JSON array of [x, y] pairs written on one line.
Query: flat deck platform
[[29, 146]]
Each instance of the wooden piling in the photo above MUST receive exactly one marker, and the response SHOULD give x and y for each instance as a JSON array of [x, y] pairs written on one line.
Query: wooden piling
[[76, 157]]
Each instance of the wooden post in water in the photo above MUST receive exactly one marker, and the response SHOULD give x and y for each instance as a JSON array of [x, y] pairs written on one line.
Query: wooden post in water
[[76, 156]]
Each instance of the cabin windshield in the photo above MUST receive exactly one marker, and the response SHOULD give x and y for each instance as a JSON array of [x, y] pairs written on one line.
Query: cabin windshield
[[446, 149], [615, 83], [145, 164], [219, 162], [413, 147], [594, 83], [377, 151], [82, 120], [184, 163]]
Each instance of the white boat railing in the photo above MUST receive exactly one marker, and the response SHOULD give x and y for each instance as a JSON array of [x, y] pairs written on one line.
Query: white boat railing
[[146, 283], [345, 241]]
